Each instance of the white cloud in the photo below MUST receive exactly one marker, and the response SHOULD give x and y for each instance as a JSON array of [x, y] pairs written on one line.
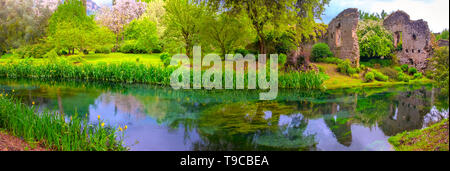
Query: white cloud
[[103, 2], [435, 12]]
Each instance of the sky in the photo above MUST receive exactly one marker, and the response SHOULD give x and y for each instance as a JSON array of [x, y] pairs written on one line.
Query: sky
[[435, 12]]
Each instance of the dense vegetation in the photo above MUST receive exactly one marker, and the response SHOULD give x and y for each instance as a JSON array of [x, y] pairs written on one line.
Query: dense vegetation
[[54, 131], [433, 138]]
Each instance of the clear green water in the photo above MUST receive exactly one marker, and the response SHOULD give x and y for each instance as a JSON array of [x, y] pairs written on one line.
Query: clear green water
[[160, 118]]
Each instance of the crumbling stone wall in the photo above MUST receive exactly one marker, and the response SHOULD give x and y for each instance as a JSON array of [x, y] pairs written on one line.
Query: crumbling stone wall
[[415, 38], [342, 37]]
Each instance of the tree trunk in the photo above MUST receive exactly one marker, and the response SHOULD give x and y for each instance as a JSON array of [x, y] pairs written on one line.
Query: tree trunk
[[85, 5]]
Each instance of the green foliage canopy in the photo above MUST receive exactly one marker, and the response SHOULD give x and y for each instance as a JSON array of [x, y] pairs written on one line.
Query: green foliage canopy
[[374, 39]]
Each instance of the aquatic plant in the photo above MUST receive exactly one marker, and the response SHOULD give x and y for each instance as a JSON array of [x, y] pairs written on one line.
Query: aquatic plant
[[302, 80], [56, 132], [132, 72]]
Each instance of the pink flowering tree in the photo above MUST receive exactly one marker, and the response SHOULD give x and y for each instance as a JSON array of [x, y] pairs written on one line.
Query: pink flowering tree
[[119, 15]]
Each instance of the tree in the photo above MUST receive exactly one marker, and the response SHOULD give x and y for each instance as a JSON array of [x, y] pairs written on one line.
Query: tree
[[119, 15], [275, 14], [24, 22], [226, 32], [155, 12], [440, 66], [374, 40], [144, 32], [70, 28], [443, 35], [183, 21]]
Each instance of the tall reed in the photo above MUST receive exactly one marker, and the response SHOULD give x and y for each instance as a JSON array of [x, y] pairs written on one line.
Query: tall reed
[[56, 132], [132, 72]]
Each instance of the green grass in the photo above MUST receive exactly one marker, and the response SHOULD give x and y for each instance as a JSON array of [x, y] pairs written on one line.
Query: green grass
[[122, 57], [55, 132], [94, 58], [433, 138], [339, 80], [63, 69]]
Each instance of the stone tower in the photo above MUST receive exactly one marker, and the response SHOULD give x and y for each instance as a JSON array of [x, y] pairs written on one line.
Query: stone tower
[[414, 36], [342, 37]]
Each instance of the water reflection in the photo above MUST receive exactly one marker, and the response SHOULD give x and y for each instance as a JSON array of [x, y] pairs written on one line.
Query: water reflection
[[163, 119]]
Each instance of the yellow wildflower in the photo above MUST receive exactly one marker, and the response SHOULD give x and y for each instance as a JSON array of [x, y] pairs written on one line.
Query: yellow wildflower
[[120, 129], [32, 103], [103, 124], [98, 116], [125, 127], [14, 90]]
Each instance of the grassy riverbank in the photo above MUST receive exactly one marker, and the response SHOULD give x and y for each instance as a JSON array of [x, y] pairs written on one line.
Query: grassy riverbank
[[343, 81], [54, 131], [148, 69], [433, 138]]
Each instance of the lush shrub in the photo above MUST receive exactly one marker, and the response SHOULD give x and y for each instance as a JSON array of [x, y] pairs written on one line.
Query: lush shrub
[[398, 69], [103, 49], [32, 51], [63, 52], [243, 52], [403, 77], [282, 58], [157, 49], [85, 51], [344, 66], [351, 71], [391, 73], [370, 76], [132, 46], [167, 61], [404, 67], [380, 76], [320, 68], [163, 56], [412, 71], [418, 75], [362, 67], [52, 55], [320, 50]]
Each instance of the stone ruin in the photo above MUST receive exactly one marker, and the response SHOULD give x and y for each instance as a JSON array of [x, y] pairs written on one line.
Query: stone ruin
[[415, 38], [342, 39]]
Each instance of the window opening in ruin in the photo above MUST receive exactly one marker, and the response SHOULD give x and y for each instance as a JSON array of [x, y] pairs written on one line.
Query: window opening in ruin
[[412, 51], [411, 61], [338, 35], [418, 51], [414, 36], [398, 40], [407, 51]]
